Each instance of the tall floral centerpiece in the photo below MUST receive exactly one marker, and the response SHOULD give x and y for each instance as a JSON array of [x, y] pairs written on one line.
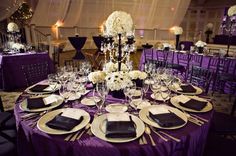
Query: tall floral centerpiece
[[200, 46], [118, 27], [229, 25], [208, 32], [177, 31]]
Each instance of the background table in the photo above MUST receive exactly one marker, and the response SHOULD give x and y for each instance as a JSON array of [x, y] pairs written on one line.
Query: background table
[[12, 76], [31, 141]]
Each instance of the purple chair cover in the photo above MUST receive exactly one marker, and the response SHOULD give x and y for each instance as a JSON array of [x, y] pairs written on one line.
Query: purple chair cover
[[12, 76], [78, 43], [31, 141], [223, 39]]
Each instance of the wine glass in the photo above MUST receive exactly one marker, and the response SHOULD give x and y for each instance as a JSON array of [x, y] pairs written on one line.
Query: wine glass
[[136, 96], [102, 91], [165, 94], [145, 87], [65, 92], [182, 46]]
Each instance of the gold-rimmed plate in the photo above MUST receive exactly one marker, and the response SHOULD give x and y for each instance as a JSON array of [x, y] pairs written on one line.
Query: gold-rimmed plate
[[41, 124], [98, 128], [175, 102], [144, 116]]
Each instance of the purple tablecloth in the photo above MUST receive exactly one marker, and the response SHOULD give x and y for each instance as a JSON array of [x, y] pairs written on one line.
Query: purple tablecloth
[[31, 141], [12, 76]]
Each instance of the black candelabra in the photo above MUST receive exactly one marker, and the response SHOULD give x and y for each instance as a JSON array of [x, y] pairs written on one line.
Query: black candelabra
[[228, 26]]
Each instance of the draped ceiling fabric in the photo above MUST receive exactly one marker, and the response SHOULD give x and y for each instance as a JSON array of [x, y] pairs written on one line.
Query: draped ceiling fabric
[[146, 14], [8, 7]]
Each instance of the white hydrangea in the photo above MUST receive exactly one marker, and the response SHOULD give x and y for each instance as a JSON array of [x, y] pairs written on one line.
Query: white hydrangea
[[209, 26], [137, 74], [118, 80], [112, 67], [167, 45], [12, 27], [118, 22], [17, 46], [200, 44], [97, 77], [232, 10], [178, 30]]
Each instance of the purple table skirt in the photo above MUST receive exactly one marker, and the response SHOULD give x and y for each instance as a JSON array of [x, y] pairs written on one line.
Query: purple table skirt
[[34, 142], [12, 76]]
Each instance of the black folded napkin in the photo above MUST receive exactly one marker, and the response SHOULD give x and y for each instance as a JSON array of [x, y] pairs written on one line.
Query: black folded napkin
[[167, 119], [35, 103], [63, 123], [187, 89], [120, 129], [194, 104], [38, 88]]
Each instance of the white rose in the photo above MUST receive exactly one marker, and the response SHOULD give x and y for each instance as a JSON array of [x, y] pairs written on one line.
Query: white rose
[[136, 74], [178, 30], [232, 10], [209, 26], [97, 77]]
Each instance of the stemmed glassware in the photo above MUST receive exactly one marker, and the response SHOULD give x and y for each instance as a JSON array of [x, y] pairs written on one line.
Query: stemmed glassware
[[145, 87], [102, 91], [65, 92]]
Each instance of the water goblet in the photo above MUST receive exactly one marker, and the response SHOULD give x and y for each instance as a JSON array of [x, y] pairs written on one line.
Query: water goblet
[[65, 92]]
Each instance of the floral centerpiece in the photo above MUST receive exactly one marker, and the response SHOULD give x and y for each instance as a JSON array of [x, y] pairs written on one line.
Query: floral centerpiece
[[97, 77], [200, 45], [117, 81], [118, 22], [208, 32], [167, 46], [232, 10], [12, 27], [113, 67], [138, 76], [177, 31]]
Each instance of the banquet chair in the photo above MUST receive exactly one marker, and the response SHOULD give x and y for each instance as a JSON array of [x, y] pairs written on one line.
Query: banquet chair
[[224, 124], [161, 58], [78, 43], [56, 55], [225, 76], [213, 63], [35, 72], [73, 63], [201, 77], [149, 58], [184, 60], [7, 126], [196, 60]]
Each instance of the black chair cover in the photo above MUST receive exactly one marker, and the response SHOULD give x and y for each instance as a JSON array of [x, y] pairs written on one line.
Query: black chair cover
[[78, 43]]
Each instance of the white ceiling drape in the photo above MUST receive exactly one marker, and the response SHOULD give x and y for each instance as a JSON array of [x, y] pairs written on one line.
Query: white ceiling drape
[[8, 7], [146, 14]]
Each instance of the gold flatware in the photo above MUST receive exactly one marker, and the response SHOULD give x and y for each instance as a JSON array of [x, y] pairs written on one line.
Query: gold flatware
[[69, 136], [157, 133], [148, 132], [170, 136], [199, 117], [141, 141], [144, 140], [86, 128], [194, 122]]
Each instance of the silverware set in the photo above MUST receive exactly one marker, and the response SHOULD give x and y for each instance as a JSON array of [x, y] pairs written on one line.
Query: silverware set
[[195, 119], [77, 135]]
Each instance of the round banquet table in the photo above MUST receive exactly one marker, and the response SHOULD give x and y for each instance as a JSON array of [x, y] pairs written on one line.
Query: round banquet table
[[32, 141]]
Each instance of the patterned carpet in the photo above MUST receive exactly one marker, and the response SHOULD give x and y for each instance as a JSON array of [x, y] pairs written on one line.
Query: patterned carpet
[[221, 102]]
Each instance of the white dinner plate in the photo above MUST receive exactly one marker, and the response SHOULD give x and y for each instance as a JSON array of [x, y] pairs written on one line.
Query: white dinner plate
[[41, 124], [74, 96], [89, 101], [144, 115], [139, 104], [116, 108], [174, 101], [158, 97], [49, 90], [59, 101], [198, 91], [98, 128]]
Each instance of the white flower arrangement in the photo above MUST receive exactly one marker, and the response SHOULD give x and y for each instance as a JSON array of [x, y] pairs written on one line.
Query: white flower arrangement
[[17, 46], [118, 80], [209, 26], [167, 45], [113, 67], [232, 10], [137, 74], [12, 27], [178, 30], [200, 44], [118, 22], [97, 77]]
